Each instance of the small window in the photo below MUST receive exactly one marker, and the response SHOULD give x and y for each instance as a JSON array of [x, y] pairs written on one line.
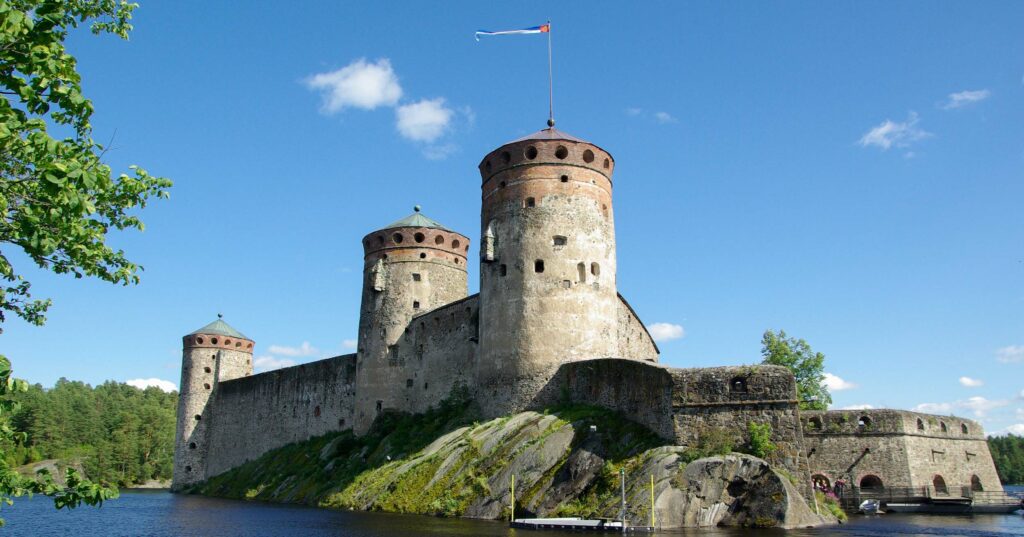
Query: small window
[[531, 152], [501, 184], [416, 277], [588, 156], [595, 269], [942, 426], [920, 424], [963, 428], [538, 265], [581, 272], [529, 202], [191, 445], [198, 417], [423, 255], [208, 370], [397, 237], [418, 237], [341, 422], [738, 385], [505, 157], [503, 270], [415, 304], [426, 385], [206, 385], [380, 405], [408, 383], [863, 422], [814, 423], [607, 163], [188, 468], [316, 411], [559, 240], [566, 284], [561, 152], [439, 239], [455, 243], [565, 178], [380, 240]]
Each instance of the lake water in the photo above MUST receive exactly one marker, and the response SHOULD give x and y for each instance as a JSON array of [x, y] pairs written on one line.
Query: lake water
[[161, 514]]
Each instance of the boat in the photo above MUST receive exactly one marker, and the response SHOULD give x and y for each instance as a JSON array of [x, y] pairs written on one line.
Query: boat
[[870, 507]]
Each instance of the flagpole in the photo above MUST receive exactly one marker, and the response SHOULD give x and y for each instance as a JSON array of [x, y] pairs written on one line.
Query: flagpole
[[551, 91]]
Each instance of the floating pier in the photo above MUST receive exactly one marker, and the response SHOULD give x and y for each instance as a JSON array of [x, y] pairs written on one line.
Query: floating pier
[[577, 524]]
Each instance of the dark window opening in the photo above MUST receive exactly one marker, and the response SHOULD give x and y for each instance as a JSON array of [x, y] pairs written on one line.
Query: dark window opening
[[581, 270], [198, 417], [439, 239], [408, 383], [530, 202], [942, 426], [963, 428], [531, 152], [976, 484], [423, 255], [188, 468], [870, 482], [425, 384], [559, 240], [502, 270], [206, 385], [416, 277], [738, 385], [566, 284], [565, 178], [607, 163], [940, 485], [455, 243], [397, 237], [191, 445], [595, 269], [316, 411], [415, 304], [501, 184], [418, 237], [814, 423], [561, 152], [341, 422], [588, 156], [505, 157], [380, 405], [864, 422], [538, 265], [208, 370], [920, 424]]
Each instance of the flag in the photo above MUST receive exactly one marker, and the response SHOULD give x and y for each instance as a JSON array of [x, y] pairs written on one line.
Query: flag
[[542, 29]]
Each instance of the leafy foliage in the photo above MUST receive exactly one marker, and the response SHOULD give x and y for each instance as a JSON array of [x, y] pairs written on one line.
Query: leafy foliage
[[75, 491], [807, 366], [58, 200], [761, 445], [1008, 454]]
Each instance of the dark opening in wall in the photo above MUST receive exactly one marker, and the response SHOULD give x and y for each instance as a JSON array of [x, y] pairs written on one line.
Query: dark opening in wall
[[455, 243], [416, 276], [207, 370], [538, 265], [198, 417], [607, 163], [188, 468], [530, 202], [418, 237], [531, 152], [423, 255], [191, 445], [206, 385], [487, 166], [439, 239], [595, 269], [566, 284], [565, 179], [920, 424], [213, 340], [425, 384], [397, 237], [588, 156], [502, 269], [559, 240], [408, 383], [501, 184], [976, 484], [415, 304], [561, 152], [814, 423], [380, 240], [942, 426], [341, 422], [940, 485], [963, 428], [738, 385], [506, 157], [316, 411], [871, 482], [380, 405], [581, 270], [863, 422]]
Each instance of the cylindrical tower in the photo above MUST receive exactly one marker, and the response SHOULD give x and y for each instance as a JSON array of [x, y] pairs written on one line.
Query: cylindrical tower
[[547, 272], [214, 353], [409, 267]]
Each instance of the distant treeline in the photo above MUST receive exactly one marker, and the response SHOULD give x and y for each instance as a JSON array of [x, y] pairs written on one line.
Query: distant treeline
[[1008, 453], [118, 433]]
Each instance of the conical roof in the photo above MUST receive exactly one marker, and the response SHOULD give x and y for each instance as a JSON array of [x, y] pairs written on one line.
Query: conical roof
[[221, 328], [416, 219], [549, 133]]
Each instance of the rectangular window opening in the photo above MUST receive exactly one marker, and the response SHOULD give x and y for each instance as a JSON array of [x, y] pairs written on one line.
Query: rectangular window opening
[[503, 270], [416, 276], [538, 265], [415, 304]]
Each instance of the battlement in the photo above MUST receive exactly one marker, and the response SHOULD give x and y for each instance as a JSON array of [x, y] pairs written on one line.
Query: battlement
[[416, 244], [549, 146], [889, 422]]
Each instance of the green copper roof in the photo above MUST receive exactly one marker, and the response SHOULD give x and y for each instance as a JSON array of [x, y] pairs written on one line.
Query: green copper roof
[[219, 327], [416, 219]]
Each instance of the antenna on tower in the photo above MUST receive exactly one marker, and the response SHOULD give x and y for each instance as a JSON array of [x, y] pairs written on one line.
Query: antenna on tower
[[551, 91]]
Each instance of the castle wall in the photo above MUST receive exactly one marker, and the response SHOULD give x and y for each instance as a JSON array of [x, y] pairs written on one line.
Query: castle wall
[[254, 414], [634, 341], [902, 449]]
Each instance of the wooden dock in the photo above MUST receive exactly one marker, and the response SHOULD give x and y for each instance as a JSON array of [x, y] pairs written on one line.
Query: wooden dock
[[577, 524]]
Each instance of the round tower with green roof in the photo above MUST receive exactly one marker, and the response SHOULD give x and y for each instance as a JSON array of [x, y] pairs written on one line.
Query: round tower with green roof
[[547, 272], [214, 353], [409, 267]]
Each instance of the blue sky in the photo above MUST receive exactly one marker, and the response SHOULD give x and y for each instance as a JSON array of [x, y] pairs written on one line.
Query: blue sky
[[851, 173]]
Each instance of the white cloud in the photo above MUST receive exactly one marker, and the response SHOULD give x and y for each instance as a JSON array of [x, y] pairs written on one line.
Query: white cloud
[[269, 363], [423, 121], [1012, 353], [836, 384], [964, 98], [142, 384], [1017, 429], [439, 152], [971, 383], [857, 407], [977, 405], [666, 331], [302, 350], [664, 117], [634, 111], [358, 85], [891, 133], [349, 344]]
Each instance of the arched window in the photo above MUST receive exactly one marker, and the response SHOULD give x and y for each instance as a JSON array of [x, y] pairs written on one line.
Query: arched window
[[920, 424], [738, 385], [595, 269], [870, 482], [530, 202], [863, 422], [942, 426], [814, 423], [963, 428], [821, 483], [976, 484], [940, 485]]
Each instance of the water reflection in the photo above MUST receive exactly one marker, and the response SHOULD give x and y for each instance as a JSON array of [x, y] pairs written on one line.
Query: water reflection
[[160, 514]]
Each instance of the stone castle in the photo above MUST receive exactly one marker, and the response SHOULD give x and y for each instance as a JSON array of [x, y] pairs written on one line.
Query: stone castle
[[548, 326]]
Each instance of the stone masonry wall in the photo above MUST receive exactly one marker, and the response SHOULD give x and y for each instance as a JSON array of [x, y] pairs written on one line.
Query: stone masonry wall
[[252, 415], [900, 448], [635, 341]]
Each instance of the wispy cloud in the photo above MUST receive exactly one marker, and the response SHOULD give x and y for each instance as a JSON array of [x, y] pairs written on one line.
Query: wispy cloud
[[302, 350], [1017, 429], [893, 134], [1010, 354], [964, 98], [979, 406], [269, 363], [349, 344], [142, 384], [659, 116], [423, 121], [359, 84], [836, 384], [857, 407], [666, 331], [664, 117], [971, 383]]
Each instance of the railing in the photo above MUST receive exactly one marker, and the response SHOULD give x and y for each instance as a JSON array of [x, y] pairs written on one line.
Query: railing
[[850, 499]]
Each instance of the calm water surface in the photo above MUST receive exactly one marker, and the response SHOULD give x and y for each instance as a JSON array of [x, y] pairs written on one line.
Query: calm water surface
[[161, 514]]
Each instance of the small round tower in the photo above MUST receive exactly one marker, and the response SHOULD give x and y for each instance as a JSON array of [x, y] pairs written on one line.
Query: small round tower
[[214, 353], [409, 267], [547, 272]]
